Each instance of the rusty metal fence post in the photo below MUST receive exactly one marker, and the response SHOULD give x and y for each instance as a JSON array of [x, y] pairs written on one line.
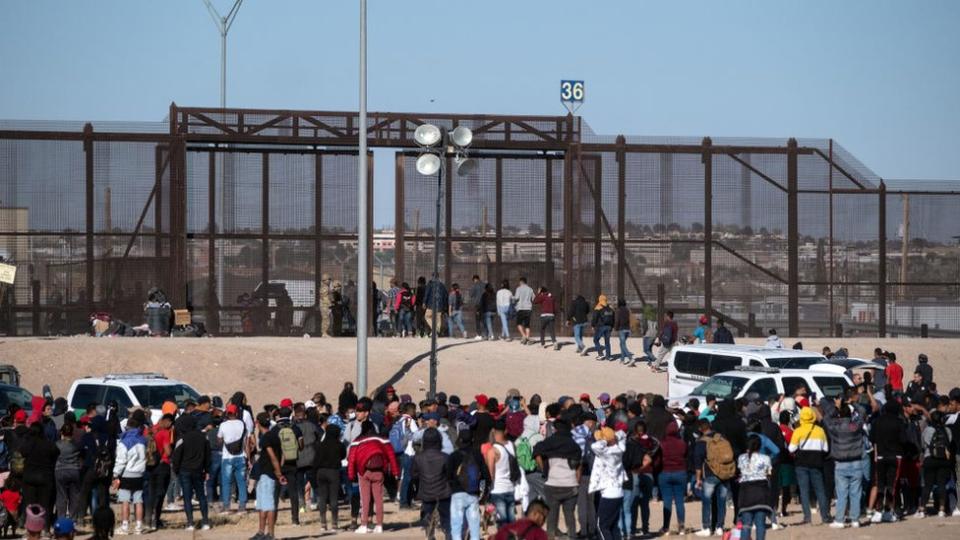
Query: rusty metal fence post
[[793, 242], [707, 158], [882, 267]]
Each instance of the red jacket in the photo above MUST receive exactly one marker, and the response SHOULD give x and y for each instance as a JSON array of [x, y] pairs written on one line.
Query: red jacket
[[674, 450], [547, 303], [362, 449], [895, 376]]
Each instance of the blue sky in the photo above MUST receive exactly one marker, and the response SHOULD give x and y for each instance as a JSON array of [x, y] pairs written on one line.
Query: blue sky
[[880, 77]]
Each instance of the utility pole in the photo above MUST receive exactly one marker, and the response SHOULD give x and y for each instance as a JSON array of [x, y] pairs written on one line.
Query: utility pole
[[363, 235]]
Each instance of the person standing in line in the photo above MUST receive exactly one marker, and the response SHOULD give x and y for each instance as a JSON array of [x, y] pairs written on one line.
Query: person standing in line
[[755, 471], [504, 304], [498, 461], [845, 431], [455, 303], [488, 309], [894, 373], [548, 317], [809, 446], [233, 434], [476, 300], [621, 325], [68, 475], [429, 469], [722, 334], [602, 322], [405, 307], [578, 315], [607, 479], [329, 455], [369, 459], [392, 294], [938, 459], [713, 490], [673, 478], [435, 301], [469, 477], [702, 332], [666, 339], [924, 369], [189, 464], [271, 477], [524, 300], [307, 420], [128, 468], [160, 475], [560, 459], [420, 308]]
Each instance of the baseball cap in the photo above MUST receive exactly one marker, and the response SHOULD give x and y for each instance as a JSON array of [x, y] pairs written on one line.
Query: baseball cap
[[286, 402], [20, 416], [481, 399], [584, 397], [390, 390], [232, 408], [604, 397], [432, 416], [36, 518], [310, 404], [513, 392], [169, 407], [64, 526], [454, 400], [362, 406]]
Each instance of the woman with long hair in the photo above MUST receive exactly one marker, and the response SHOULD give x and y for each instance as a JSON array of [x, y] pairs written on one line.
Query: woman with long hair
[[755, 471]]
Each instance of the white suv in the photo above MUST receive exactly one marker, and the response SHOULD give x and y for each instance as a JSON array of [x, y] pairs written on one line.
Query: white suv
[[768, 383], [147, 390], [690, 365]]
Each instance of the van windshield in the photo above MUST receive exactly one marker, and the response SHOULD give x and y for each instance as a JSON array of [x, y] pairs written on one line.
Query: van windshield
[[802, 362], [721, 386], [153, 396]]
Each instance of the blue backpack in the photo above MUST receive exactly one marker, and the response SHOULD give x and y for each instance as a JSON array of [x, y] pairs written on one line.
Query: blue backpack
[[399, 437]]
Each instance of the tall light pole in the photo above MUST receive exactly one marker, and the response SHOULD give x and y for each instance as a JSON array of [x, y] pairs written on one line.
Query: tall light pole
[[433, 143], [363, 234], [223, 26]]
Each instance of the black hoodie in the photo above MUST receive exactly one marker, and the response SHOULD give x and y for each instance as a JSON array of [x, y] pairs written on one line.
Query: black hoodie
[[579, 311], [731, 426], [330, 451], [430, 467], [192, 453]]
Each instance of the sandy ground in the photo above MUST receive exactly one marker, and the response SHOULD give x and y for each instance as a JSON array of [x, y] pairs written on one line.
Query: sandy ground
[[269, 369]]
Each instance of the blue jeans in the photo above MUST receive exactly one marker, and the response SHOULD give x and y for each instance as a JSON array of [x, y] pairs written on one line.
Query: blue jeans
[[673, 486], [578, 334], [644, 483], [806, 477], [624, 352], [755, 518], [503, 311], [190, 483], [461, 503], [213, 482], [488, 323], [602, 332], [504, 504], [848, 476], [233, 470], [406, 464], [630, 495], [714, 487], [456, 318], [406, 321], [648, 349]]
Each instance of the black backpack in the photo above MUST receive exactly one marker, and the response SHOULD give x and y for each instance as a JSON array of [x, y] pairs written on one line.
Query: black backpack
[[457, 301], [606, 316], [103, 462], [514, 465], [940, 443]]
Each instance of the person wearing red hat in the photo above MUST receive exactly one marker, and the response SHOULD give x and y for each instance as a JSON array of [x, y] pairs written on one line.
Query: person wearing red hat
[[482, 421], [702, 332], [232, 434], [286, 402]]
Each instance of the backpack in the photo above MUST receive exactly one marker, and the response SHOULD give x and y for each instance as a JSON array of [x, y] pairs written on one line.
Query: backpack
[[103, 462], [289, 446], [152, 455], [525, 455], [457, 301], [468, 473], [17, 463], [720, 457], [374, 463], [606, 316], [406, 299], [515, 474], [399, 436], [940, 444], [236, 447]]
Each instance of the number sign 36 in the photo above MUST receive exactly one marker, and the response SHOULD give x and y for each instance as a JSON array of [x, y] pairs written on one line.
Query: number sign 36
[[571, 91]]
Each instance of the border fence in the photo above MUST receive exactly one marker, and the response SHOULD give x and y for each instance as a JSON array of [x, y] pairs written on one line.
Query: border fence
[[214, 205]]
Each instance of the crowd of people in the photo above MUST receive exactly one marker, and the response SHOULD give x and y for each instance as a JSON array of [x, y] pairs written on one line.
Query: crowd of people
[[878, 452]]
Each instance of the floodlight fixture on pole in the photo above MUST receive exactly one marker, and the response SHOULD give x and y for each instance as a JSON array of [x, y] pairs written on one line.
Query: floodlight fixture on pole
[[433, 143], [223, 26]]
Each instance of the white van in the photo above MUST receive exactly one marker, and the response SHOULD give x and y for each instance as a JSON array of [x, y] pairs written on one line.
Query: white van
[[768, 383], [690, 365]]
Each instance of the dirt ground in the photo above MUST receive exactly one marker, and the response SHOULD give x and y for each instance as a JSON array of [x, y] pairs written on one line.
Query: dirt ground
[[268, 369]]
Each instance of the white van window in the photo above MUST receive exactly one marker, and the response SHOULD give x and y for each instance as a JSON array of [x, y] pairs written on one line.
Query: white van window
[[720, 363], [803, 362], [790, 385], [831, 386], [85, 394], [721, 386], [691, 363], [766, 388]]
